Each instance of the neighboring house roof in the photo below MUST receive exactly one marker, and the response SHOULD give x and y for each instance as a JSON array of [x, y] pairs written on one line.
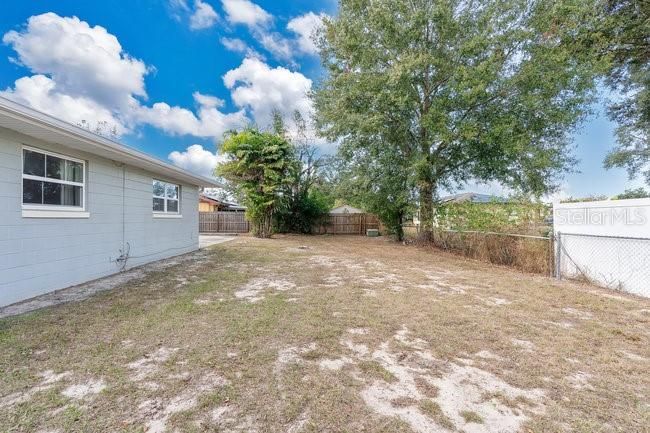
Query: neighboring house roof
[[209, 199], [346, 209], [472, 197], [44, 127]]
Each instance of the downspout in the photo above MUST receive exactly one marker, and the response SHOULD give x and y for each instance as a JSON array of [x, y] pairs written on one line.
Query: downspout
[[126, 247], [123, 205]]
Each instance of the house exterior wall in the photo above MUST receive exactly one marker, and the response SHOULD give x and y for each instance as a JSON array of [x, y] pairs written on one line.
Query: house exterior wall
[[206, 207], [39, 255]]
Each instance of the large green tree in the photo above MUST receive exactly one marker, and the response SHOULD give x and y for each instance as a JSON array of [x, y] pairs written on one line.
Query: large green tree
[[461, 89], [624, 39], [304, 205], [377, 181], [259, 165]]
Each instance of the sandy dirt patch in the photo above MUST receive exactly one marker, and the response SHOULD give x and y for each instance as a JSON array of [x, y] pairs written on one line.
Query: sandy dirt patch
[[578, 314], [580, 380], [254, 290], [49, 379], [292, 355], [633, 356], [523, 344], [86, 389], [494, 301], [157, 413], [437, 397], [149, 364]]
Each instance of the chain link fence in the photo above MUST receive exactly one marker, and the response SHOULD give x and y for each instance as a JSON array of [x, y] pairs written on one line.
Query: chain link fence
[[524, 252], [619, 263]]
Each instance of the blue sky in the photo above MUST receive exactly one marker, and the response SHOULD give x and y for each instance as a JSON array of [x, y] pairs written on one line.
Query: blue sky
[[172, 75]]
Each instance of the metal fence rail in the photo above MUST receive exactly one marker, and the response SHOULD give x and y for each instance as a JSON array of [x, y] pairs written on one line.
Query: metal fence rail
[[616, 262]]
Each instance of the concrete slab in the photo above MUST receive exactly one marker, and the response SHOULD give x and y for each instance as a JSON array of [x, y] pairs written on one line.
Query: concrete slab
[[208, 240]]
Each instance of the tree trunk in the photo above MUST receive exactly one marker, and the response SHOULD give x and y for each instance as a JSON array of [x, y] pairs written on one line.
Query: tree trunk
[[263, 227], [426, 211], [399, 230]]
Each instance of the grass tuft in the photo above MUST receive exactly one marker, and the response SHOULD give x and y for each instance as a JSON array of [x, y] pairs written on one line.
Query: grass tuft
[[432, 410], [376, 370], [471, 416]]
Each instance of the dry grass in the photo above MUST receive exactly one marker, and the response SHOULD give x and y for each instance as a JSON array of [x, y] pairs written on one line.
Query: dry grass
[[525, 254], [433, 410], [471, 417], [368, 336]]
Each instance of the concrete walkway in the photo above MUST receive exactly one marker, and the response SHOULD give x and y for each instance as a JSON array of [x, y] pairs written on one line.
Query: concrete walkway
[[209, 240]]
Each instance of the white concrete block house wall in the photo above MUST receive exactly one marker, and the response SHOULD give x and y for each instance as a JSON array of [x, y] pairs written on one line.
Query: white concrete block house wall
[[72, 201]]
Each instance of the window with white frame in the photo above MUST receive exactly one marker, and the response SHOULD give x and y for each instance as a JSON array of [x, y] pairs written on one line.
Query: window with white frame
[[52, 181], [165, 197]]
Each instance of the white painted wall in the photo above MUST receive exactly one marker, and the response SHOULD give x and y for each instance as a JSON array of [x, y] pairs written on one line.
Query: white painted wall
[[41, 255], [608, 241]]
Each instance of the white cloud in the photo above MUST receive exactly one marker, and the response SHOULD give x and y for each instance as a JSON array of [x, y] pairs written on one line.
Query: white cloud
[[41, 93], [203, 16], [234, 44], [237, 45], [179, 4], [257, 87], [305, 27], [258, 21], [197, 160], [209, 122], [245, 12], [82, 74], [95, 81], [260, 89], [83, 61], [207, 100], [275, 44]]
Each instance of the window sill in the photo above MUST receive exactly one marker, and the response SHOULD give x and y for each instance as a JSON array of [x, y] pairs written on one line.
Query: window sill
[[36, 213], [167, 216]]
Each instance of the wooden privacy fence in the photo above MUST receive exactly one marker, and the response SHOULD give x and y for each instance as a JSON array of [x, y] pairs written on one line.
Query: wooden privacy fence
[[335, 224], [223, 222], [348, 224]]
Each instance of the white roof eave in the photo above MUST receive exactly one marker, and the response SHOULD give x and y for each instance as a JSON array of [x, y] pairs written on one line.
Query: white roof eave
[[44, 127]]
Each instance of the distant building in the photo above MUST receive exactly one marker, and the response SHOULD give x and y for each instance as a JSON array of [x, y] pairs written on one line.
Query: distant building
[[208, 204], [465, 197], [472, 197], [211, 204], [345, 209]]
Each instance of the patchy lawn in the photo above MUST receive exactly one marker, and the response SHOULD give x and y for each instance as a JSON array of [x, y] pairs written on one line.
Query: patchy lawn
[[301, 334]]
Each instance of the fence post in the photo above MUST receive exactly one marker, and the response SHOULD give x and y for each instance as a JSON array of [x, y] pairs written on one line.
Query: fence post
[[551, 254], [558, 256]]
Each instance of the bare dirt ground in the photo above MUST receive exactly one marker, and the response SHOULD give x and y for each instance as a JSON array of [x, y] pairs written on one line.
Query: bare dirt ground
[[305, 334]]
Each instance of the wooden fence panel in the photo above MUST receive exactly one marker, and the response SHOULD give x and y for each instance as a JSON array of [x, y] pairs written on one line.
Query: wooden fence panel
[[223, 222], [348, 224], [235, 222]]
